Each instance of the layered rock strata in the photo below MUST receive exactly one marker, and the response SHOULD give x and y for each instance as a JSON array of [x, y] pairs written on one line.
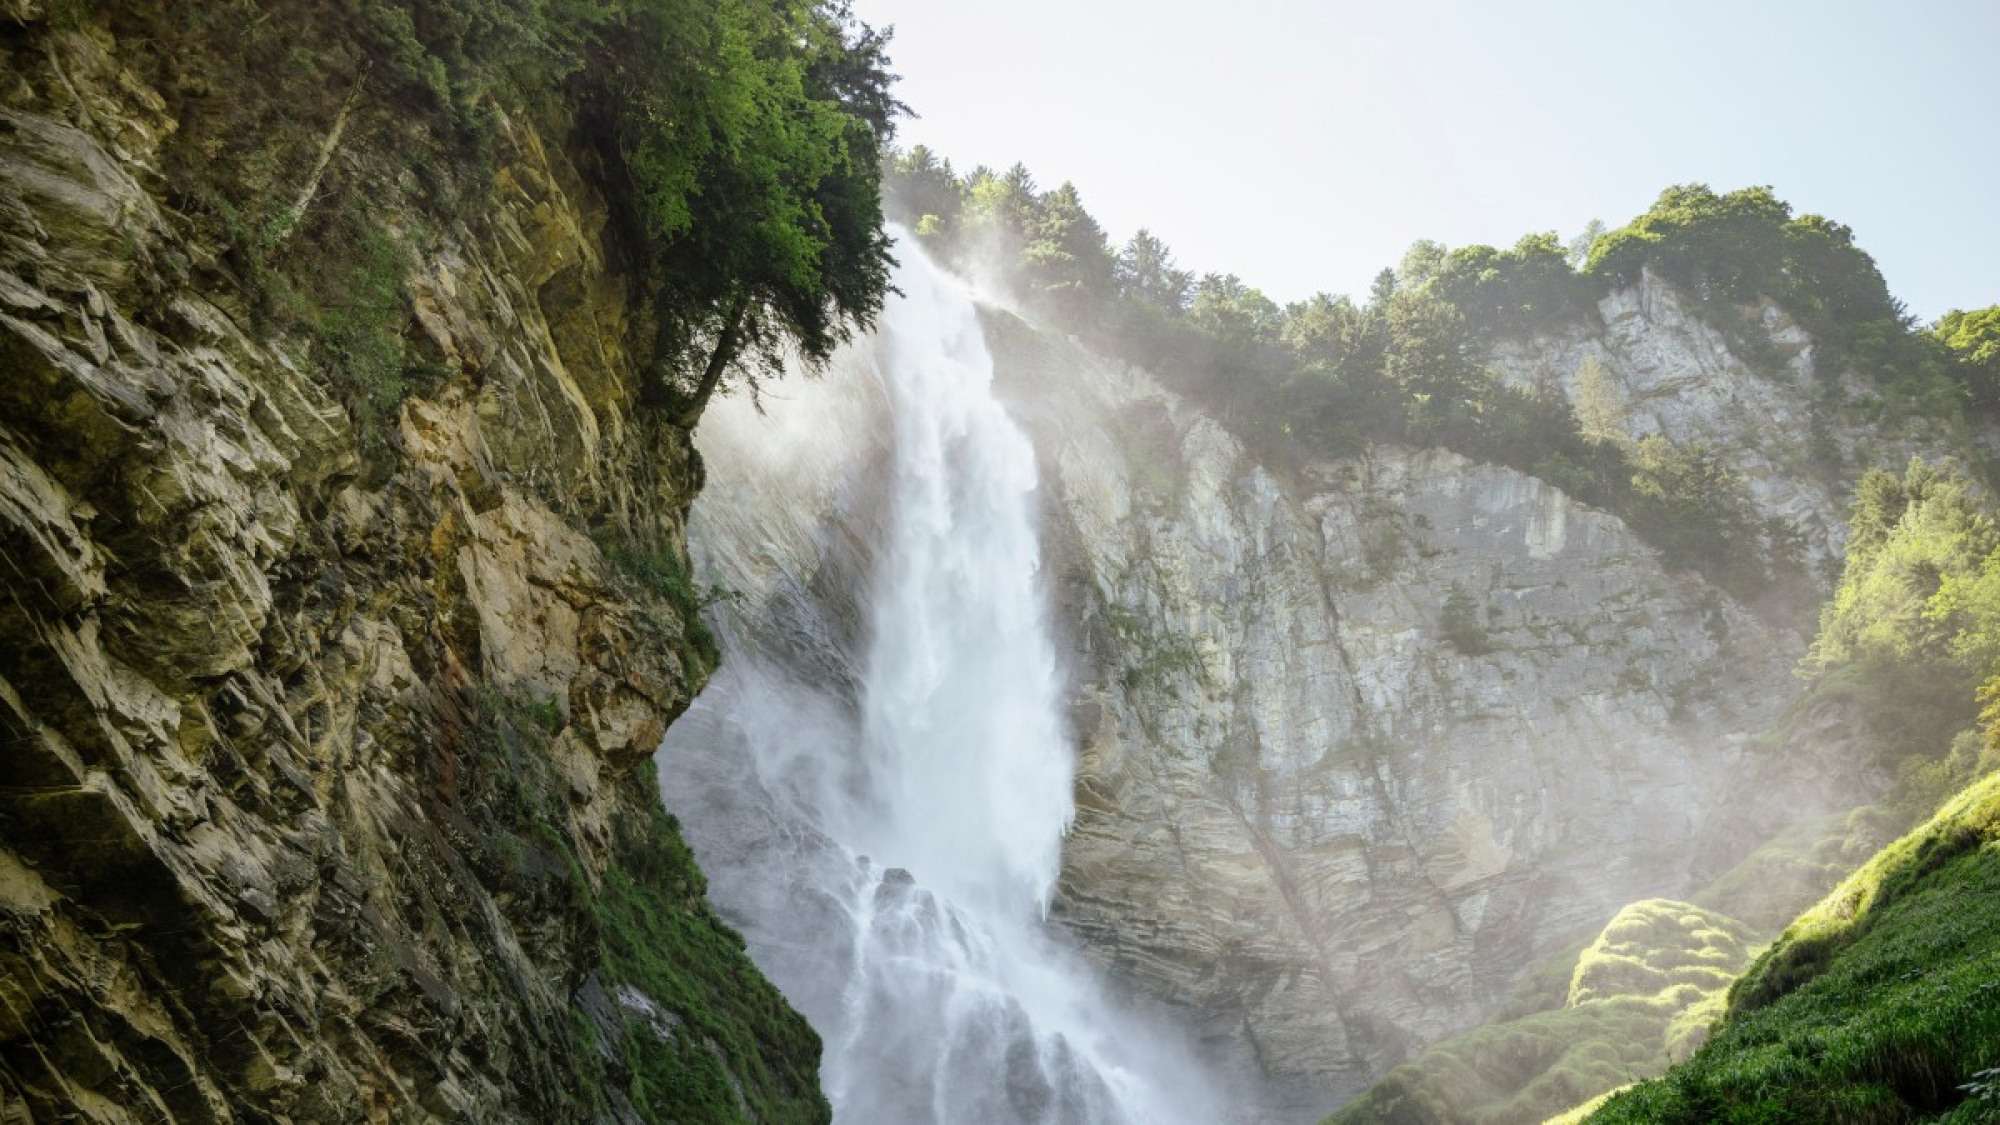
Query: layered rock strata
[[1364, 740], [316, 772]]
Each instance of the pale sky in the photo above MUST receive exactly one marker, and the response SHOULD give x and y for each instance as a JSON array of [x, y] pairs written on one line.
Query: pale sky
[[1305, 145]]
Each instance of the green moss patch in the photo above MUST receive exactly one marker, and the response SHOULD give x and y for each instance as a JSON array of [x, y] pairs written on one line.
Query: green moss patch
[[698, 1034], [1639, 996], [1882, 1003]]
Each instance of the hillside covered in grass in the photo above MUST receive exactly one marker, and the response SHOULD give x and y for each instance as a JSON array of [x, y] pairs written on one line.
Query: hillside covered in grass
[[1882, 1003], [1639, 996]]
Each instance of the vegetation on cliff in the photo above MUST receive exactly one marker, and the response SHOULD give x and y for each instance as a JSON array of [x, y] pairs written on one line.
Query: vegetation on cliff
[[1879, 1003], [1323, 376], [1908, 648], [1911, 636], [739, 145], [1882, 1003], [333, 333]]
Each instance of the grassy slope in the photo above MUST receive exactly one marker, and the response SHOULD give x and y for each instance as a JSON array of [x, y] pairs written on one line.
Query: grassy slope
[[1881, 1004], [719, 1043], [1638, 996]]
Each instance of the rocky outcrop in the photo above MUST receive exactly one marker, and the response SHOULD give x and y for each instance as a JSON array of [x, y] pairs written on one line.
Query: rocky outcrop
[[317, 775], [1363, 741], [1799, 430]]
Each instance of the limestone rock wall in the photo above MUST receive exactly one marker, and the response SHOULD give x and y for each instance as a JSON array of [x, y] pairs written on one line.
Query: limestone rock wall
[[1363, 742], [1799, 430], [309, 770]]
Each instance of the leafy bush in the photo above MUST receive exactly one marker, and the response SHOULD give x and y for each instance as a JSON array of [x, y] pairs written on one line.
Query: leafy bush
[[1458, 620]]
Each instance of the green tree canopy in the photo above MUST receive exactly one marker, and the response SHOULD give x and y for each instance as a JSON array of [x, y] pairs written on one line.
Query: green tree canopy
[[1529, 286], [919, 184], [1420, 263], [1908, 537], [1972, 341], [1733, 249], [1708, 241], [1001, 210], [1232, 312], [1066, 252], [754, 134], [1144, 272], [1584, 242]]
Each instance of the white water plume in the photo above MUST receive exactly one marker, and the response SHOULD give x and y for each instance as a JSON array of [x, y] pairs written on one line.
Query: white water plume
[[960, 710], [882, 809]]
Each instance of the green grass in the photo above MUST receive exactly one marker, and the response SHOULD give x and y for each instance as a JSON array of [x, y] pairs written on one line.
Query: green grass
[[730, 1048], [1766, 888], [1881, 1004], [1639, 996], [720, 1044]]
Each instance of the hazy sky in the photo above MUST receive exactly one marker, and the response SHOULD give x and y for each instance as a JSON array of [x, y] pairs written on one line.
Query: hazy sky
[[1304, 145]]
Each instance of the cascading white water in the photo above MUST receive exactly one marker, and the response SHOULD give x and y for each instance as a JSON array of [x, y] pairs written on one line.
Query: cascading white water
[[960, 721], [889, 836]]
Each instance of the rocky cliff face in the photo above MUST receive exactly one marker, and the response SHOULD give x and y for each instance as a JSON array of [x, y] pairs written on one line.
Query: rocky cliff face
[[318, 796], [1798, 429], [1364, 741]]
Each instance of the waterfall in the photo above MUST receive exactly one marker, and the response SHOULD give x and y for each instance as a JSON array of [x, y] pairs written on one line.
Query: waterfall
[[879, 779], [961, 730]]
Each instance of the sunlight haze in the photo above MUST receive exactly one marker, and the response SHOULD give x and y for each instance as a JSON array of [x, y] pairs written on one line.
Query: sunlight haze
[[1304, 146]]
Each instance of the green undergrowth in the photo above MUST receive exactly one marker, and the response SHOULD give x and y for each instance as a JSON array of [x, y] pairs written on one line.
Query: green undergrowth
[[654, 564], [1799, 864], [675, 1024], [719, 1043], [1638, 997], [1880, 1004]]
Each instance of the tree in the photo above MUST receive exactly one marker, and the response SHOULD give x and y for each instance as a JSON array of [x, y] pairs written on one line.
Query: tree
[[1459, 622], [1421, 262], [754, 136], [1234, 313], [1001, 211], [1600, 406], [920, 186], [1718, 245], [1066, 252], [1586, 239], [1915, 620], [1431, 357], [1331, 333], [1972, 341], [1144, 272], [1698, 510], [1529, 286], [1428, 350], [1336, 389], [1382, 288]]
